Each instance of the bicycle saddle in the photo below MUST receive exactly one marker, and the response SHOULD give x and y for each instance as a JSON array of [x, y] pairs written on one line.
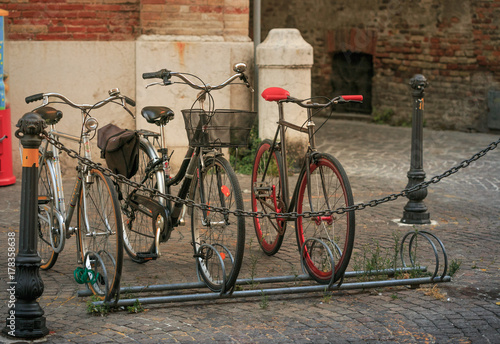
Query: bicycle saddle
[[159, 115], [49, 114], [275, 93]]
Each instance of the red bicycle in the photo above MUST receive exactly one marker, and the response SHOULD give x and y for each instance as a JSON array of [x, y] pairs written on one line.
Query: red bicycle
[[325, 238]]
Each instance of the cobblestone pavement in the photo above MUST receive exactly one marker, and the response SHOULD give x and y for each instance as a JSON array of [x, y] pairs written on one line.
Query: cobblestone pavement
[[465, 209]]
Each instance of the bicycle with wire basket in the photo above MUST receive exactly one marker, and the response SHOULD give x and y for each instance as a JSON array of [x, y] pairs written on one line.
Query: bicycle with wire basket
[[207, 179], [325, 239], [99, 221]]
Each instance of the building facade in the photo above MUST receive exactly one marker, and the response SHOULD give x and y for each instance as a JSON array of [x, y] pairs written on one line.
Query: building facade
[[375, 47], [83, 48]]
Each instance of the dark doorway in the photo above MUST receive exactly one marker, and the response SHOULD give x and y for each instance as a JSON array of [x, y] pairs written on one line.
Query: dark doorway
[[352, 74]]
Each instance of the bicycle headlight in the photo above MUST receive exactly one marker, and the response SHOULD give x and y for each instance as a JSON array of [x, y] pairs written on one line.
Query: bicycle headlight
[[91, 123]]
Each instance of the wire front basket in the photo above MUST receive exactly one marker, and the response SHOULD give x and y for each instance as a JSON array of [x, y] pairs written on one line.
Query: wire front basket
[[221, 128]]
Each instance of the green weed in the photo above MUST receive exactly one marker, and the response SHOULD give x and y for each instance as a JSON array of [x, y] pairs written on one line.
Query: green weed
[[264, 301], [101, 310], [454, 266], [136, 307]]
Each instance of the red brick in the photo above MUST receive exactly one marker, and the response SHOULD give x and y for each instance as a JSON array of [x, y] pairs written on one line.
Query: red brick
[[86, 14], [99, 8], [236, 10], [76, 29], [20, 37], [149, 2], [40, 21], [206, 9], [53, 37], [98, 29], [82, 22], [56, 29], [58, 14], [85, 37], [153, 16], [65, 7]]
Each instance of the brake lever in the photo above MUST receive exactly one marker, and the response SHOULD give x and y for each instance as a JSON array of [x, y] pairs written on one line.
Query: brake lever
[[155, 83], [129, 112], [243, 78], [124, 105]]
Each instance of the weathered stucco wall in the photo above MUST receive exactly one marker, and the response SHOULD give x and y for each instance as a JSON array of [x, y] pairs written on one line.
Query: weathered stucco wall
[[83, 48], [82, 71], [85, 71]]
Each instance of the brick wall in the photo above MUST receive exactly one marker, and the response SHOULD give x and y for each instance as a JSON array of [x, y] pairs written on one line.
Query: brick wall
[[123, 19], [453, 43], [195, 17], [82, 20]]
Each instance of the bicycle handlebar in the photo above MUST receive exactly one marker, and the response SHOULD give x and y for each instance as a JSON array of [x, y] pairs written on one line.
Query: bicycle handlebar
[[34, 98], [114, 94], [166, 75], [352, 98], [281, 95]]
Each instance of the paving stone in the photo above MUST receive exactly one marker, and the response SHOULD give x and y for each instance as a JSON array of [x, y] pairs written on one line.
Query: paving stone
[[376, 158]]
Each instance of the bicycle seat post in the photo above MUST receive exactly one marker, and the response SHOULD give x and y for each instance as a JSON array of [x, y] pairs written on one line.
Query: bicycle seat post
[[283, 150], [163, 138]]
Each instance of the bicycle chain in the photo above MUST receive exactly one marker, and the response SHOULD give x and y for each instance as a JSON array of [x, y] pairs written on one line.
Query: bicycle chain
[[272, 215]]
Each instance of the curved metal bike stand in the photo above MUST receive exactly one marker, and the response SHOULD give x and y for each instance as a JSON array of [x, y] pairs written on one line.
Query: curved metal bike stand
[[413, 241], [303, 257], [97, 257], [221, 261], [412, 236]]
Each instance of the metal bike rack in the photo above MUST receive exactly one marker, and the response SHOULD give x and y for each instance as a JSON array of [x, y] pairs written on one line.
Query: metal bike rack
[[410, 239]]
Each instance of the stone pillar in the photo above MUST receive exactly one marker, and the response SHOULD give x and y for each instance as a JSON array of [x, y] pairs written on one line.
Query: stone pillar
[[208, 58], [284, 60]]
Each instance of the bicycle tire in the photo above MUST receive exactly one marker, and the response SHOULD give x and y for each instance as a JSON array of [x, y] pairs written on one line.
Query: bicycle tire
[[215, 232], [139, 233], [270, 232], [47, 219], [100, 233], [330, 189]]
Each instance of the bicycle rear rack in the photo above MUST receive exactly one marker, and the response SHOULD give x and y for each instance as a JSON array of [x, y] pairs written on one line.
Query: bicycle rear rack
[[407, 250]]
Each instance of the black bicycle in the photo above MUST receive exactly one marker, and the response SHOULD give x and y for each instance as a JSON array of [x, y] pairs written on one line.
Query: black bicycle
[[207, 178]]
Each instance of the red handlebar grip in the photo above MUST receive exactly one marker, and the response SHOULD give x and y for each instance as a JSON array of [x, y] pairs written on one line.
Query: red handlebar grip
[[356, 98]]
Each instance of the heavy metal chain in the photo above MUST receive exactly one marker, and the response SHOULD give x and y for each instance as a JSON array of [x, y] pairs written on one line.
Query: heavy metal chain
[[271, 215]]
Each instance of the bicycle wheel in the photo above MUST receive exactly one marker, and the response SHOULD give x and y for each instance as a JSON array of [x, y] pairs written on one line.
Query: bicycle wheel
[[101, 234], [218, 239], [268, 196], [139, 230], [330, 189], [48, 224]]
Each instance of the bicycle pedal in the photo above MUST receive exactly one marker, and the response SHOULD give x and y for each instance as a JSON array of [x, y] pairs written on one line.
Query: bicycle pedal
[[147, 255], [43, 199]]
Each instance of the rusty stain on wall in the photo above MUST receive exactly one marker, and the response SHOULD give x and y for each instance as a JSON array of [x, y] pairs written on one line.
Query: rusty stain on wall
[[180, 46]]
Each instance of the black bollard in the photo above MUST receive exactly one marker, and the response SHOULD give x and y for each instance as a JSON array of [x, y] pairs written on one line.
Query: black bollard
[[25, 316], [415, 211]]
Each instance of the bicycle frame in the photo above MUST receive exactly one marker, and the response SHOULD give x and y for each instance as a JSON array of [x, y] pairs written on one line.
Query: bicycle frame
[[311, 150], [193, 162], [53, 164]]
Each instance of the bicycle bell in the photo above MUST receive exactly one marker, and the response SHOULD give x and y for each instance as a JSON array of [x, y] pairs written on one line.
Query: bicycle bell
[[240, 67], [113, 92]]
